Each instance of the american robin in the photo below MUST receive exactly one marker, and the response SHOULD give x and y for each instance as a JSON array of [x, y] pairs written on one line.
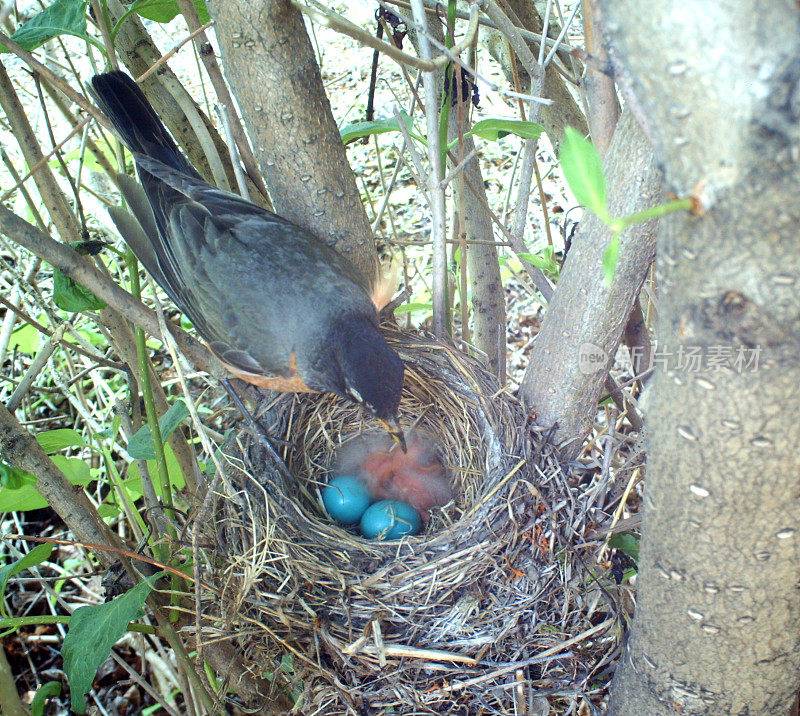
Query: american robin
[[278, 306]]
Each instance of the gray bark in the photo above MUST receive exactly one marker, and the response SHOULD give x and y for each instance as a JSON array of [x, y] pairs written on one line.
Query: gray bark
[[585, 319], [599, 90], [272, 69], [717, 625], [486, 286]]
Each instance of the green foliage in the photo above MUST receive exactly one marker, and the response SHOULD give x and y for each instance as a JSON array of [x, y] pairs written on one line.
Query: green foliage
[[490, 129], [19, 493], [62, 17], [166, 10], [26, 339], [413, 307], [140, 446], [156, 708], [87, 158], [71, 296], [496, 128], [628, 542], [51, 688], [542, 260], [55, 440], [583, 172], [132, 485], [37, 555], [352, 132], [93, 630], [95, 337], [610, 259]]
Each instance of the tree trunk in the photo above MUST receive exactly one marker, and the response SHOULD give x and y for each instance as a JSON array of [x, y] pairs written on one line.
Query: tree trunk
[[272, 69], [717, 624], [486, 285]]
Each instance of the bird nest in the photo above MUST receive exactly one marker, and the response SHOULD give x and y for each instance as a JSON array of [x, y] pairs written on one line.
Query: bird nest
[[481, 610]]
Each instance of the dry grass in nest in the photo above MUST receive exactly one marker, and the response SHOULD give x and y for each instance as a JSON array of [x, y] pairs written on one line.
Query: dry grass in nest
[[481, 611]]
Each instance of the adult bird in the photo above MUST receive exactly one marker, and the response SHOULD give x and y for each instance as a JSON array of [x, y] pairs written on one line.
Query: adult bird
[[278, 306]]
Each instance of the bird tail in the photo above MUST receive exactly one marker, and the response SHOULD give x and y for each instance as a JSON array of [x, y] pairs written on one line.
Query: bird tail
[[135, 120]]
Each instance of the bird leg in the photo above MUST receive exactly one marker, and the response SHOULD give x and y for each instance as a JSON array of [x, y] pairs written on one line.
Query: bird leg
[[269, 441]]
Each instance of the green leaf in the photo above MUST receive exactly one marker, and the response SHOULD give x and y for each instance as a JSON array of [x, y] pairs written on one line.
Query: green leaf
[[89, 160], [610, 258], [19, 493], [36, 556], [55, 440], [94, 337], [583, 172], [51, 688], [133, 482], [72, 297], [543, 260], [74, 469], [628, 542], [155, 708], [62, 17], [26, 339], [140, 446], [12, 478], [166, 10], [109, 512], [352, 132], [92, 632], [497, 128], [21, 499]]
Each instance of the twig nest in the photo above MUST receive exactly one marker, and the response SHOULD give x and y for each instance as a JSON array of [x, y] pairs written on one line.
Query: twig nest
[[425, 620]]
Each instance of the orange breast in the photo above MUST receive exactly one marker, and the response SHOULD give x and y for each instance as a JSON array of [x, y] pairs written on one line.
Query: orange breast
[[290, 383]]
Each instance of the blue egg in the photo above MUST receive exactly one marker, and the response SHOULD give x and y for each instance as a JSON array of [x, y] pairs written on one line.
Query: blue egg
[[345, 498], [389, 519]]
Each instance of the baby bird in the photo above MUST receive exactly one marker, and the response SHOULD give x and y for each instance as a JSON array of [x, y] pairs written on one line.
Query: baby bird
[[415, 477]]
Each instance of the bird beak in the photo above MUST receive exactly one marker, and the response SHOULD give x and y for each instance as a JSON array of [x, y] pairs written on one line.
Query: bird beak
[[393, 428]]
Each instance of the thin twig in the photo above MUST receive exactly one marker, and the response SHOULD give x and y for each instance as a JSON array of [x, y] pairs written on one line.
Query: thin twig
[[49, 332], [223, 112], [165, 57], [415, 157], [471, 71], [326, 17], [437, 203], [457, 170], [209, 60], [37, 366], [431, 8]]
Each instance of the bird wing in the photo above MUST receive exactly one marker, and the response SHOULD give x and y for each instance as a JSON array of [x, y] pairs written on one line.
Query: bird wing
[[258, 288]]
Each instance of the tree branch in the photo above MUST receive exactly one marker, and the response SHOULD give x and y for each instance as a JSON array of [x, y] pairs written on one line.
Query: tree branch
[[585, 319], [80, 269]]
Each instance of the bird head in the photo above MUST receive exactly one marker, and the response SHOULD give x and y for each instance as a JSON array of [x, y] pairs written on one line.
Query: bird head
[[367, 371]]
